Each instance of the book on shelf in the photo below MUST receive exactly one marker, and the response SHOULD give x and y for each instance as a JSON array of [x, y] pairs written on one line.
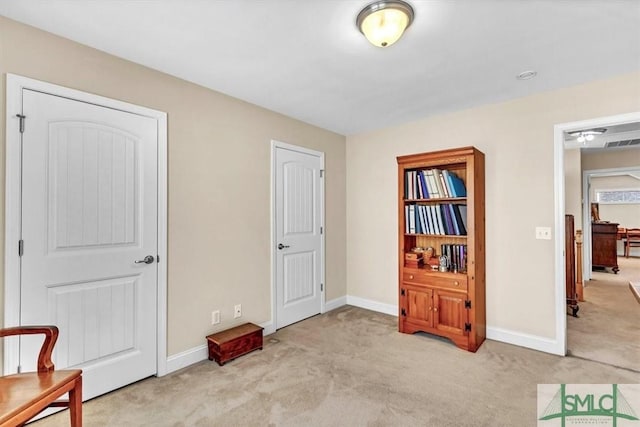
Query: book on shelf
[[432, 227], [423, 185], [443, 182], [412, 187], [432, 184], [449, 181], [436, 219], [445, 228], [451, 229], [454, 220], [438, 182], [406, 219], [439, 218], [425, 220], [461, 224], [463, 215], [412, 219], [421, 226], [406, 187], [456, 256], [458, 186]]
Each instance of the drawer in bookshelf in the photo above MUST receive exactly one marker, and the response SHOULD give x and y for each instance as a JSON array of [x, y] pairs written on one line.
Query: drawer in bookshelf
[[458, 281]]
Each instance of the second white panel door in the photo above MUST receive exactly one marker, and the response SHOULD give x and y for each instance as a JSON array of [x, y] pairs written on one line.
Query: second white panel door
[[298, 235]]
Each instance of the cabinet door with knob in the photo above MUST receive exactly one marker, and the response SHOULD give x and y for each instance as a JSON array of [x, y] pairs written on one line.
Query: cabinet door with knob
[[450, 314], [418, 305]]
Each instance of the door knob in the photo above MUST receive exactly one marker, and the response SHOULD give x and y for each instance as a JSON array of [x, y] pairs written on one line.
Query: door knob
[[147, 260], [281, 246]]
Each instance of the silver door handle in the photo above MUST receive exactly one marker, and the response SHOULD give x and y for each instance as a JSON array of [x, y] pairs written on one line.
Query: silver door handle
[[281, 246], [147, 260]]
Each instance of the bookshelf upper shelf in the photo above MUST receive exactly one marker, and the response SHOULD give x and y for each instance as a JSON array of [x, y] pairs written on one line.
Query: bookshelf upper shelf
[[454, 236], [437, 199]]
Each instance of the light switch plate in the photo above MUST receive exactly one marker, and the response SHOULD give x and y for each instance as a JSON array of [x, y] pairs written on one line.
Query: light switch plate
[[543, 233]]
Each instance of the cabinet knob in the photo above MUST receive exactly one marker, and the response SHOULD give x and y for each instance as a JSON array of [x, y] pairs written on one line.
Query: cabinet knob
[[435, 308], [456, 283], [411, 276]]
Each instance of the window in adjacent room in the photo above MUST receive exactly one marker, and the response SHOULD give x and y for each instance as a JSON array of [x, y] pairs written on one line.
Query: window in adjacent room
[[618, 196]]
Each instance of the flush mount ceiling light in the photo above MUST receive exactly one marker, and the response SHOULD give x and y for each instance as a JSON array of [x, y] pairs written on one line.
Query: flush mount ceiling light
[[587, 135], [384, 22]]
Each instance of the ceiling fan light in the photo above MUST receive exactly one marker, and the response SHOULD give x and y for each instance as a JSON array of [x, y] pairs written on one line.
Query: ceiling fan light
[[384, 22], [581, 139], [589, 137]]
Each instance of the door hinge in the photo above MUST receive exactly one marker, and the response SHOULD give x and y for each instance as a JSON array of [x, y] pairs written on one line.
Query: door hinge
[[321, 287], [20, 247], [321, 173], [321, 230], [467, 303], [402, 292], [158, 259], [21, 117], [467, 326], [403, 312]]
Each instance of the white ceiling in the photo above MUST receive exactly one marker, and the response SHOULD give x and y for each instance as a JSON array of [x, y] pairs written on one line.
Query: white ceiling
[[629, 132], [306, 59]]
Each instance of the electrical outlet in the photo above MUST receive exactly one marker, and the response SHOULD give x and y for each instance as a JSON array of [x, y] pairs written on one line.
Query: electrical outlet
[[215, 317], [543, 233], [237, 311]]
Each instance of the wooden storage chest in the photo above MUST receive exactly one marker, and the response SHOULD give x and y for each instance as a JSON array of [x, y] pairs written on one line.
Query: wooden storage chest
[[234, 342]]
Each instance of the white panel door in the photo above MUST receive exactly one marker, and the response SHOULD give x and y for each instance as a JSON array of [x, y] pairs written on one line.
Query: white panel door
[[298, 238], [89, 211]]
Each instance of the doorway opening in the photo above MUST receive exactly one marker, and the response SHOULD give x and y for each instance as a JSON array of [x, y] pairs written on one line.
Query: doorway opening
[[605, 330]]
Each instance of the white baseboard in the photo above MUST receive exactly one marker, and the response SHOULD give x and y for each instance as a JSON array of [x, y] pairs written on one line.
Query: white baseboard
[[534, 342], [201, 352], [373, 305], [269, 328], [335, 303], [186, 358]]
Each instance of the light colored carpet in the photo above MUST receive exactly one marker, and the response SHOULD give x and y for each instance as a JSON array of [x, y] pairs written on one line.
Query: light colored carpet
[[608, 329], [349, 367]]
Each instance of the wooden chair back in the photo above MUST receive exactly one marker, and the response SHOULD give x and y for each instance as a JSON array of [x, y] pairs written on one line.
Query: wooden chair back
[[631, 240], [25, 395]]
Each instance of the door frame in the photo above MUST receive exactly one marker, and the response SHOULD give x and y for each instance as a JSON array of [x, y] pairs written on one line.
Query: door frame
[[275, 145], [14, 86], [586, 211], [559, 345]]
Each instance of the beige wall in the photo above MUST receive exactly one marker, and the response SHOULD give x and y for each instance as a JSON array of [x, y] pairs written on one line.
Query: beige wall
[[219, 178], [517, 139], [611, 159]]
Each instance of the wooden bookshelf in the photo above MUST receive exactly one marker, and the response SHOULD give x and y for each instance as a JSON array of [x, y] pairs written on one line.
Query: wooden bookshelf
[[447, 303]]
